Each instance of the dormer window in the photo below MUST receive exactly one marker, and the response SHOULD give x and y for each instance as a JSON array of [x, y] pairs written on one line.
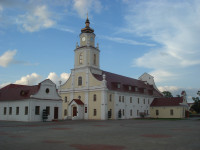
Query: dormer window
[[136, 89], [129, 88], [118, 85]]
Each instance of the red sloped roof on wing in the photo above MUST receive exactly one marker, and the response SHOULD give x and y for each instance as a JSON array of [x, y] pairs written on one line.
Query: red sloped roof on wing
[[17, 92], [174, 101], [123, 80]]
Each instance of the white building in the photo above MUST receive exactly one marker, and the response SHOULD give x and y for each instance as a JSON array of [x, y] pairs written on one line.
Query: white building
[[26, 103]]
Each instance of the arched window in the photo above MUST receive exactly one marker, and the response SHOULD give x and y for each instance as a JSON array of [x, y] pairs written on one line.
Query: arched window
[[95, 59], [94, 97], [81, 58], [65, 112], [65, 99], [79, 81]]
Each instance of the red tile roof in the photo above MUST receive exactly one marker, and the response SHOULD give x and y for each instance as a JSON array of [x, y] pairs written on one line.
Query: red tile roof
[[173, 101], [17, 92], [78, 101], [114, 79]]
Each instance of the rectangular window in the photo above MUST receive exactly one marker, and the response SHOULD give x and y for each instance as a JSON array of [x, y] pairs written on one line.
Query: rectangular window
[[137, 112], [131, 112], [26, 110], [4, 111], [85, 109], [118, 86], [65, 112], [10, 110], [95, 112], [17, 110], [129, 88], [119, 98], [130, 99], [171, 112], [110, 97], [65, 99], [123, 99], [144, 101], [123, 112], [37, 110], [48, 110], [157, 112], [138, 100], [148, 101]]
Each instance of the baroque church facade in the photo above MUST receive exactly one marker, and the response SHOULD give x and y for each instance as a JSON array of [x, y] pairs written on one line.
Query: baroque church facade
[[92, 93]]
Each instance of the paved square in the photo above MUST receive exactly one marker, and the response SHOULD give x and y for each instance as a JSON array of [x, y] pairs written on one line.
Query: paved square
[[101, 135]]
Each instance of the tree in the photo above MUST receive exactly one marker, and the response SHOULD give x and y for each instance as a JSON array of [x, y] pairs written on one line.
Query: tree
[[167, 94], [196, 105]]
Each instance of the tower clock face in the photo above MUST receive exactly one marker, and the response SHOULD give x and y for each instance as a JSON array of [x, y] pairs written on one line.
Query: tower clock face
[[83, 38]]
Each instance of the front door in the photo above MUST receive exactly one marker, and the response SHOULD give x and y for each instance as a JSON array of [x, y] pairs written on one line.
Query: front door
[[55, 112], [74, 111]]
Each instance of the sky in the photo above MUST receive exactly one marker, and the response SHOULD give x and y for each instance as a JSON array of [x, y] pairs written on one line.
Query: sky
[[159, 37]]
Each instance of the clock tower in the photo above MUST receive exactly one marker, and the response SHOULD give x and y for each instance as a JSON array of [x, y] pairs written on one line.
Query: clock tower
[[86, 55]]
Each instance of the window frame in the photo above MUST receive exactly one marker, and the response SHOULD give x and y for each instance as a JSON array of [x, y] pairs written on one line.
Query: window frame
[[17, 110], [26, 110], [37, 110], [80, 81]]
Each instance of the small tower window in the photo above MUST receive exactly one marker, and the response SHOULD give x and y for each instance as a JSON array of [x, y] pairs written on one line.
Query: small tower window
[[65, 99], [94, 97], [79, 97], [79, 81], [95, 57], [81, 58]]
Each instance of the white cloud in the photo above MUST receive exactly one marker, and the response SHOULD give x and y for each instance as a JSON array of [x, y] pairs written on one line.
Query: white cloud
[[174, 26], [1, 8], [7, 58], [55, 78], [162, 75], [84, 6], [126, 41], [31, 79], [36, 19]]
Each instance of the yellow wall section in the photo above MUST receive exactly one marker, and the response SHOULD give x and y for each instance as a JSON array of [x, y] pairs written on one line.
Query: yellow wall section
[[93, 81], [67, 85], [164, 112], [65, 104], [94, 105]]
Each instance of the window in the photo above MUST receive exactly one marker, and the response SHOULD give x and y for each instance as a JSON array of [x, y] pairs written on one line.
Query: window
[[157, 112], [148, 101], [110, 97], [123, 112], [65, 99], [130, 99], [119, 98], [171, 112], [47, 90], [17, 110], [95, 112], [144, 101], [26, 110], [65, 112], [79, 97], [10, 110], [95, 59], [37, 110], [118, 86], [129, 88], [48, 110], [94, 97], [138, 100], [131, 112], [123, 99], [4, 111], [79, 81], [136, 89], [81, 58], [137, 112], [85, 109]]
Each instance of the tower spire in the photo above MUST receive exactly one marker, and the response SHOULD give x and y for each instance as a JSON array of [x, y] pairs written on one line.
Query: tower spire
[[87, 28]]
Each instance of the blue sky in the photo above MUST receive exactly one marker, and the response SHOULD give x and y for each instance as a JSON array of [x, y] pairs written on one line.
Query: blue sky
[[38, 38]]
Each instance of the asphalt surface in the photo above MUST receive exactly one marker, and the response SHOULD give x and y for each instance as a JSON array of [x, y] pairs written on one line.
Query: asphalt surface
[[101, 135]]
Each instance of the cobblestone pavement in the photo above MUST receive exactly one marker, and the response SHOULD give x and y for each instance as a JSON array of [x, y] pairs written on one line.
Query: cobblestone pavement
[[101, 135]]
